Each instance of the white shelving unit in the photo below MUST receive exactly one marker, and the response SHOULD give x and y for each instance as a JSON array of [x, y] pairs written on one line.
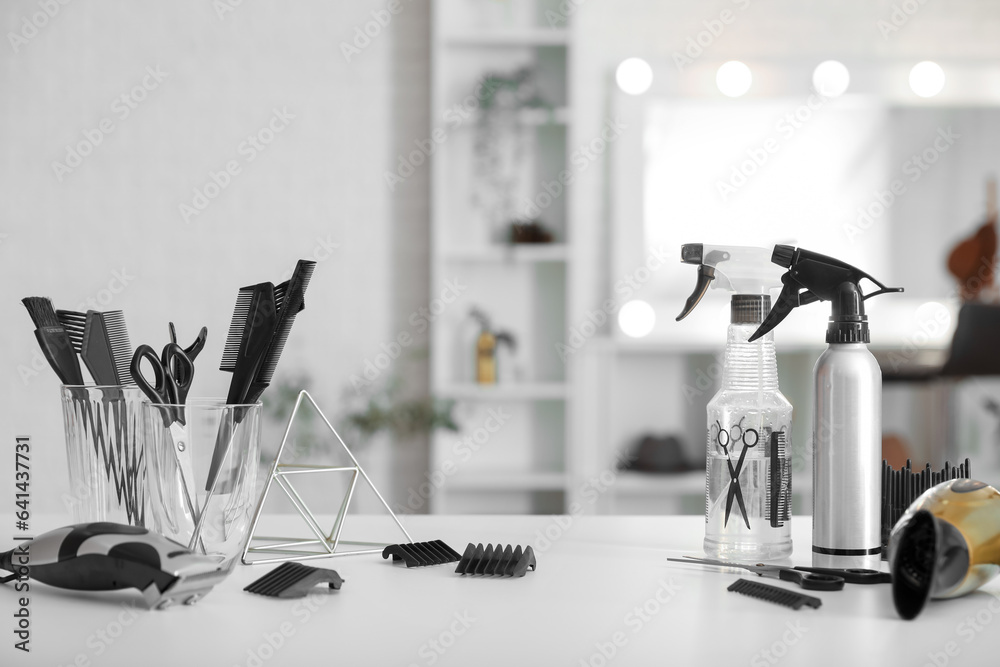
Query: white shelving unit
[[510, 455]]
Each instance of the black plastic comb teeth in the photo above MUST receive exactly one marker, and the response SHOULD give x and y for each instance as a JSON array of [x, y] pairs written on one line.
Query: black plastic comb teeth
[[901, 487], [418, 554], [775, 594], [293, 580], [498, 561], [779, 482]]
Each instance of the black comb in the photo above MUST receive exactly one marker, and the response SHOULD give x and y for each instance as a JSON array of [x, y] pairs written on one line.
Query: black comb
[[293, 580], [254, 320], [75, 324], [775, 594], [417, 554], [499, 561], [779, 483], [292, 302]]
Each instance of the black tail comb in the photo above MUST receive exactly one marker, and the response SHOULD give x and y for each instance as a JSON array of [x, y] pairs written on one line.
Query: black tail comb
[[293, 580], [775, 594], [417, 554], [499, 561]]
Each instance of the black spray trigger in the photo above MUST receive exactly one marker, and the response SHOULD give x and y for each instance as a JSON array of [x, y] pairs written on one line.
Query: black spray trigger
[[706, 274]]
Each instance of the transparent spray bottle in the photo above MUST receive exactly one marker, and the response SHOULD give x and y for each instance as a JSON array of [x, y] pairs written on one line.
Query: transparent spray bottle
[[748, 470]]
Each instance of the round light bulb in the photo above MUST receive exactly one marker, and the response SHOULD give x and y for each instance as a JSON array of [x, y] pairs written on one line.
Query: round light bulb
[[733, 78], [926, 78], [634, 76], [636, 319], [831, 78]]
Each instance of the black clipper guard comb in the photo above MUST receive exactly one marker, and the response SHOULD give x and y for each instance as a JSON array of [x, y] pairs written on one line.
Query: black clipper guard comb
[[293, 580], [498, 561], [419, 554]]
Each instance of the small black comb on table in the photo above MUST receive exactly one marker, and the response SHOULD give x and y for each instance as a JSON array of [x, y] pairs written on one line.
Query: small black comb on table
[[293, 580], [419, 554], [499, 561]]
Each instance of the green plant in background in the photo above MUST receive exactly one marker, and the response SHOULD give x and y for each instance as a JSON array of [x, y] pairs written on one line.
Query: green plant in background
[[381, 408]]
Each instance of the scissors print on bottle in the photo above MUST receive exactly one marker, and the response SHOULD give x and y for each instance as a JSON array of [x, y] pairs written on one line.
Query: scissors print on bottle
[[725, 438]]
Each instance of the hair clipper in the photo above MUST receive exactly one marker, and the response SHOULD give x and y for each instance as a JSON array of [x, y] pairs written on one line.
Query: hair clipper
[[109, 556]]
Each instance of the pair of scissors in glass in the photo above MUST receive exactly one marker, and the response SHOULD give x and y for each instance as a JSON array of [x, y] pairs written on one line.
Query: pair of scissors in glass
[[173, 372]]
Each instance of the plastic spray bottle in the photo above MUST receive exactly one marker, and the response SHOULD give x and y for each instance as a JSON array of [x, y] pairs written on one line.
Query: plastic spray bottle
[[847, 416], [748, 472]]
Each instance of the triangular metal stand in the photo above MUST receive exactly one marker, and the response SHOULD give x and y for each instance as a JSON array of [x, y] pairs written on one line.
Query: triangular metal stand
[[325, 545]]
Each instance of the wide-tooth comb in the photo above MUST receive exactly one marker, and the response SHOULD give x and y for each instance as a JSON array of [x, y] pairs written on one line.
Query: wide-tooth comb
[[417, 554], [499, 561], [292, 302], [293, 580], [53, 340], [775, 594]]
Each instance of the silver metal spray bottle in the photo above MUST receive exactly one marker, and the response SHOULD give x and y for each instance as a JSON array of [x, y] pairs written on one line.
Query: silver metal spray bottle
[[847, 417]]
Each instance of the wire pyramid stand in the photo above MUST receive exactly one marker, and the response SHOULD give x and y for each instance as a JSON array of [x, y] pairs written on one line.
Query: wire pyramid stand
[[323, 545]]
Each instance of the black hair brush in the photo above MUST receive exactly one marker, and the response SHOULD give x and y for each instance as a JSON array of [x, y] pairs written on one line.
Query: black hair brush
[[53, 339]]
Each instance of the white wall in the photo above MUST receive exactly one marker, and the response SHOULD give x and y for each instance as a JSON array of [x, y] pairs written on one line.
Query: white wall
[[319, 181]]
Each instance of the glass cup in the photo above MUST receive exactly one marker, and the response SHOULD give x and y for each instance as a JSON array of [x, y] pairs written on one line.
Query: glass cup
[[106, 462], [203, 505]]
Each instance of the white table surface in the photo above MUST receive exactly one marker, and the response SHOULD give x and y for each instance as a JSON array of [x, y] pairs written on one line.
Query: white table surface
[[589, 588]]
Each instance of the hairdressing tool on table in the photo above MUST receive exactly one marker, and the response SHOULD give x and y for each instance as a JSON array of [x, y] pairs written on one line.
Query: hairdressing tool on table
[[901, 487], [110, 556], [418, 554], [775, 594], [53, 339], [946, 545], [499, 561], [101, 339], [173, 372], [294, 580], [261, 322], [815, 581]]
